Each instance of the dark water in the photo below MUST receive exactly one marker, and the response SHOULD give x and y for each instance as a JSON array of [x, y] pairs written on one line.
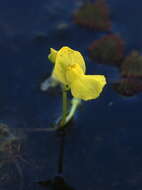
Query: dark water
[[103, 149]]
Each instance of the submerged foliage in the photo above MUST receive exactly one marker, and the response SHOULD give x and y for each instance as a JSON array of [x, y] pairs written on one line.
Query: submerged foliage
[[132, 65], [10, 155], [69, 69], [108, 49], [94, 16], [131, 73]]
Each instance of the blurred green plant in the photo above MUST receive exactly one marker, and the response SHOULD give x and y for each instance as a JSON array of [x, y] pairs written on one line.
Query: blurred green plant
[[131, 75], [132, 65], [94, 16], [108, 49]]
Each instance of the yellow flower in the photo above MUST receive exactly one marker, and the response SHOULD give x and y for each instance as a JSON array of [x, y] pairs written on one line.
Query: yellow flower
[[69, 69]]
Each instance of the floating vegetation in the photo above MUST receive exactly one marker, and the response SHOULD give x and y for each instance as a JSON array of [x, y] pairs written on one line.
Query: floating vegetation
[[108, 49], [94, 16], [128, 87], [132, 65]]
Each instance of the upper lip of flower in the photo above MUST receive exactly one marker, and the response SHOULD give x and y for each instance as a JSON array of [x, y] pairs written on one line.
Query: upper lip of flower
[[65, 59]]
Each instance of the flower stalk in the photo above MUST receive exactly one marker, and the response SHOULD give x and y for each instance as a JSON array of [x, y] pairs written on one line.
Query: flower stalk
[[67, 116], [75, 104], [64, 106]]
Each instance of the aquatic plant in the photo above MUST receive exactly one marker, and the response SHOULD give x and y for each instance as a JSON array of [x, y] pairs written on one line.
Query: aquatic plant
[[94, 16], [9, 143], [10, 154], [131, 73], [132, 65], [69, 70], [108, 49]]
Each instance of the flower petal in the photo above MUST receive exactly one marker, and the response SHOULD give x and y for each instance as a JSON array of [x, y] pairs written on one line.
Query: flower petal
[[88, 87], [73, 72], [52, 55], [67, 57]]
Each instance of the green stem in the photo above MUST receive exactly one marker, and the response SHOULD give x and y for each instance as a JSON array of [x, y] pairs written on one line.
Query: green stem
[[75, 104], [64, 106]]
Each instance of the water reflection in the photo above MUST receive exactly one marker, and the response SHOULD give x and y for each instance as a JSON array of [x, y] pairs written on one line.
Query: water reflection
[[58, 182]]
